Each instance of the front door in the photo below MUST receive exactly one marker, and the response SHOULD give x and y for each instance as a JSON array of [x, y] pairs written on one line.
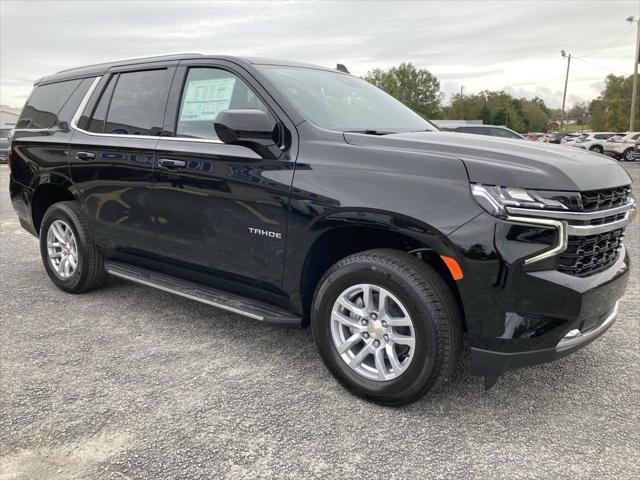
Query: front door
[[219, 209]]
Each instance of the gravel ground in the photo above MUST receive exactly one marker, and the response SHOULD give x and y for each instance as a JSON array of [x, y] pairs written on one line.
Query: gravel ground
[[128, 382]]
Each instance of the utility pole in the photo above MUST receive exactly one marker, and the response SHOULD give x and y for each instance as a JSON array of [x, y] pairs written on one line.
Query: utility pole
[[461, 102], [632, 117], [566, 80]]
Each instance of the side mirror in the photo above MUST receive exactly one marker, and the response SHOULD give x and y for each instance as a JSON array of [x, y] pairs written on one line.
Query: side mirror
[[250, 128]]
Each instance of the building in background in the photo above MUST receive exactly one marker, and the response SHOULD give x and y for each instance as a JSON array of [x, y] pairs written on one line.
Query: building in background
[[8, 117]]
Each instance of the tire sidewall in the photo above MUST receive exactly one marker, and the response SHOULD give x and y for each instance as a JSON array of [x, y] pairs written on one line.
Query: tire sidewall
[[628, 155], [61, 212], [597, 149], [425, 355]]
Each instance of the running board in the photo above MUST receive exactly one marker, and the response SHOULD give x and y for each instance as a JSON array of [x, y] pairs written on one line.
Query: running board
[[218, 298]]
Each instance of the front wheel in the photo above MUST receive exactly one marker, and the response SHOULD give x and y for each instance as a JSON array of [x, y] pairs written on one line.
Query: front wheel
[[72, 261], [628, 155], [386, 325], [597, 149]]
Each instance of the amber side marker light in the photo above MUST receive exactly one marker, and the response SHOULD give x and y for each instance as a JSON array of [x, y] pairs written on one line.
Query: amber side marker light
[[454, 268]]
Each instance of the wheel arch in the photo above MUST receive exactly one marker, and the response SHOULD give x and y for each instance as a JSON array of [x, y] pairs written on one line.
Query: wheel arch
[[348, 232], [50, 189]]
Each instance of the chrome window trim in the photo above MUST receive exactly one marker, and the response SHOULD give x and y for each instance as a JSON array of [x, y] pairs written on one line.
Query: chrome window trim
[[83, 105], [563, 236]]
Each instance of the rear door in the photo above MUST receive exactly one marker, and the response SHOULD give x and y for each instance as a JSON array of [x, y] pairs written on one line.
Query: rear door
[[222, 210], [112, 153]]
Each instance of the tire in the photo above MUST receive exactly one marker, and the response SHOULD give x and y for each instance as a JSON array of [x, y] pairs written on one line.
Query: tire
[[68, 223], [432, 310], [597, 149], [628, 155]]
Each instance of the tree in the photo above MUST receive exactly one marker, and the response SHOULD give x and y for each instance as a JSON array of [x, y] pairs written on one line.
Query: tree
[[416, 88], [535, 117], [596, 111], [578, 112]]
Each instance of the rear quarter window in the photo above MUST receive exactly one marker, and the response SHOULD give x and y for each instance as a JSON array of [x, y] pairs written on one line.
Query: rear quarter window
[[45, 103]]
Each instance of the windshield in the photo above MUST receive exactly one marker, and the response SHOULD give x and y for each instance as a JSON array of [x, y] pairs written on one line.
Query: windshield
[[337, 101]]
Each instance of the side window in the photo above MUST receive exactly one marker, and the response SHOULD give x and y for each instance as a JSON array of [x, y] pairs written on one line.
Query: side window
[[206, 92], [71, 106], [499, 132], [476, 130], [138, 102], [44, 104], [100, 111], [635, 137]]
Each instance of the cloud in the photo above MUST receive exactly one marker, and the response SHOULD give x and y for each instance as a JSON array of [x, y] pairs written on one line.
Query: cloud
[[481, 45]]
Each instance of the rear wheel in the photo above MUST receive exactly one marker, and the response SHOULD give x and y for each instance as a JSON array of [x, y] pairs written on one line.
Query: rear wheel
[[628, 155], [386, 325], [72, 261], [597, 149]]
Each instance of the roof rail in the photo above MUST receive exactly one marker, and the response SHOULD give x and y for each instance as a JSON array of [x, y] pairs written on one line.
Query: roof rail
[[129, 60]]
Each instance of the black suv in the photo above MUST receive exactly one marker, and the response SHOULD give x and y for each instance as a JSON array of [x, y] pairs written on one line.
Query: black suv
[[302, 195]]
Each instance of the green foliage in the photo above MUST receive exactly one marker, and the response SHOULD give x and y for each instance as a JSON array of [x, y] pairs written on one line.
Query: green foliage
[[611, 110], [500, 108], [578, 112], [535, 115], [416, 88], [420, 90]]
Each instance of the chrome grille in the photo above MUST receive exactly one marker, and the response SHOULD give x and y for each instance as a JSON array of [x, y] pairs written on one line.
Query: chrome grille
[[589, 240], [590, 254], [605, 199]]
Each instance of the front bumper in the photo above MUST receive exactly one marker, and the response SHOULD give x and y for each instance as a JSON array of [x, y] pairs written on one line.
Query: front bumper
[[519, 312], [492, 364], [616, 149]]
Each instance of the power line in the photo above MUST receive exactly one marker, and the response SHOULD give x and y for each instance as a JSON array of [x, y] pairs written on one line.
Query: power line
[[600, 66], [595, 52]]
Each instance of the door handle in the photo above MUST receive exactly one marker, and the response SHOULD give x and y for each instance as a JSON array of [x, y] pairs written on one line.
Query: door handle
[[85, 156], [172, 164]]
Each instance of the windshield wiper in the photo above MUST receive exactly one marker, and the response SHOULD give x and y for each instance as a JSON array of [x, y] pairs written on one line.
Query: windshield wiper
[[370, 131]]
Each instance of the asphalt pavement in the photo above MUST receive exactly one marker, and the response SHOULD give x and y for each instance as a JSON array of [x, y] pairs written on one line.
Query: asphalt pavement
[[127, 382]]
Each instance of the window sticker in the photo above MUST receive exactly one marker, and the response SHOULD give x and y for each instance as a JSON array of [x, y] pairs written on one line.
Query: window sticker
[[204, 99]]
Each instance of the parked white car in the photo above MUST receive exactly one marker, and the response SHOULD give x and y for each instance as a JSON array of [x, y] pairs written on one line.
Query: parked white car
[[571, 138], [622, 148], [595, 141]]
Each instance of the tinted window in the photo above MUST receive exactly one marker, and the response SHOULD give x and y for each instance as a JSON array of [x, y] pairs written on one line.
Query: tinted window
[[602, 136], [44, 104], [501, 132], [477, 130], [138, 103], [69, 109], [635, 137], [100, 112], [208, 91], [337, 101]]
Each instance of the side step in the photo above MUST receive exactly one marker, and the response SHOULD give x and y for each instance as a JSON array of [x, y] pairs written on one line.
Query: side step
[[218, 298]]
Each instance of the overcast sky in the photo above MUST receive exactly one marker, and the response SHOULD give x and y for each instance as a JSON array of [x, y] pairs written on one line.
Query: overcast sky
[[511, 45]]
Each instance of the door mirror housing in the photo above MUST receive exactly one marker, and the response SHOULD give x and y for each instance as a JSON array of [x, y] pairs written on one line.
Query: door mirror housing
[[250, 128]]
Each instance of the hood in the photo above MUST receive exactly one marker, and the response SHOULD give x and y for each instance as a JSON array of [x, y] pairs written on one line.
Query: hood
[[509, 163]]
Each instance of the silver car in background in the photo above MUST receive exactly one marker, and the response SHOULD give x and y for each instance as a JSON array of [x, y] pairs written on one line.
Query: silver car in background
[[4, 144]]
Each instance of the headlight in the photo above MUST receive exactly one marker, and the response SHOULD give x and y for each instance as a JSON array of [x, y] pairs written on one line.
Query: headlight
[[495, 199]]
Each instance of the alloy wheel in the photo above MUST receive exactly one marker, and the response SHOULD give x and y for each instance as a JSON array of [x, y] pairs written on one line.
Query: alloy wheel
[[62, 249], [373, 332]]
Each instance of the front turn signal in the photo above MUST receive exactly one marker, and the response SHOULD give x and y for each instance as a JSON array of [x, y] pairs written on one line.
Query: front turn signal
[[453, 266]]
